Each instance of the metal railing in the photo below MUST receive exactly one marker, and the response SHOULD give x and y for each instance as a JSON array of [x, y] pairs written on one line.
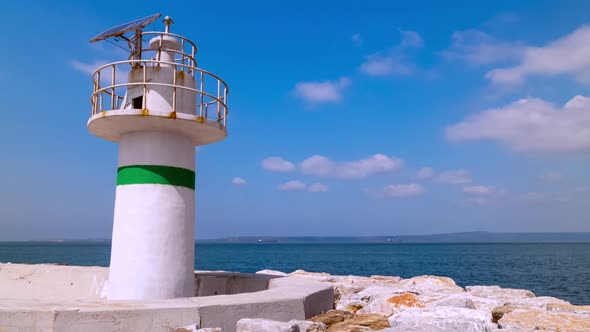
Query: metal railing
[[209, 105], [184, 55]]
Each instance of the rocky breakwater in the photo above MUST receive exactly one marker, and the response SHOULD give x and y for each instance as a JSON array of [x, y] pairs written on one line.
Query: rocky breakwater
[[432, 304]]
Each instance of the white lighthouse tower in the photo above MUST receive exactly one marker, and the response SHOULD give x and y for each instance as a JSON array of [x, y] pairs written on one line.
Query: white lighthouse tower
[[158, 105]]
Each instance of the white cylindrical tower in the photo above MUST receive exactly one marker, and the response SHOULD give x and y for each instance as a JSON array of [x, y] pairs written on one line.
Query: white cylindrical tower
[[164, 113]]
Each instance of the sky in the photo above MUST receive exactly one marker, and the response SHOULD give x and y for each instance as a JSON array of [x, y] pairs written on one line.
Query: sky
[[345, 118]]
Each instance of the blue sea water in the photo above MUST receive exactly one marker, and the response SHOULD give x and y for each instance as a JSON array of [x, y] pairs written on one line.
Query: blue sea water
[[560, 270]]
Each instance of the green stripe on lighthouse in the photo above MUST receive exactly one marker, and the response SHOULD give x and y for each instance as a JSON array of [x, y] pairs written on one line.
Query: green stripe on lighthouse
[[155, 174]]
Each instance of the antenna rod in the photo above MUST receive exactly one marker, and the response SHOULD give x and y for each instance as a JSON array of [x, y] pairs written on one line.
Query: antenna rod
[[168, 21], [138, 43]]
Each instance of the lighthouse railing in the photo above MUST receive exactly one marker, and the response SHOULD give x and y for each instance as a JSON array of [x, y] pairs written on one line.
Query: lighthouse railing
[[107, 85], [184, 55]]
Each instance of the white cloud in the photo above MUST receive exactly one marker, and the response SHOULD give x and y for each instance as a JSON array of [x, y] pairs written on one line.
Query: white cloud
[[458, 176], [317, 188], [479, 48], [321, 166], [530, 125], [294, 185], [321, 92], [356, 39], [277, 164], [87, 68], [533, 196], [385, 65], [401, 190], [567, 55], [501, 20], [395, 61], [410, 39], [476, 201], [425, 173], [238, 181], [551, 176], [562, 197], [121, 73], [482, 190]]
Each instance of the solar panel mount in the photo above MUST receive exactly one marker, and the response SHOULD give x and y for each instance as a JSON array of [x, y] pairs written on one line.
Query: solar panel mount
[[120, 30]]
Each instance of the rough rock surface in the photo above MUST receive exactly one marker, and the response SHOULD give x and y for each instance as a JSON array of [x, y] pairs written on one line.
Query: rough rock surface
[[536, 302], [499, 312], [430, 284], [495, 292], [385, 279], [539, 319], [361, 322], [266, 325], [332, 317], [455, 300], [405, 300], [437, 304], [582, 310], [442, 319], [308, 326], [272, 273]]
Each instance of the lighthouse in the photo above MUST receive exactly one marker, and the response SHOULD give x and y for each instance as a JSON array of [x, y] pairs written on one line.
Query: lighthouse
[[159, 106]]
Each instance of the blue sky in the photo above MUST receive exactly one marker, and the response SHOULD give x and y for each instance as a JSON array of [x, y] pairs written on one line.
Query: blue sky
[[347, 118]]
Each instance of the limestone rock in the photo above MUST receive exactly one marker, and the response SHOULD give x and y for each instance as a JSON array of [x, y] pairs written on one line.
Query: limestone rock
[[332, 317], [429, 285], [389, 306], [539, 319], [441, 319], [193, 328], [460, 300], [499, 312], [496, 292], [482, 303], [455, 300], [308, 326], [354, 280], [354, 300], [405, 300], [378, 306], [358, 322], [350, 305], [319, 276], [575, 309], [264, 325], [349, 328], [536, 302], [378, 291], [345, 292], [272, 273], [385, 279]]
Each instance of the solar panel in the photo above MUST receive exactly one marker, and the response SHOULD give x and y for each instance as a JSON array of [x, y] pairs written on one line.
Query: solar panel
[[119, 30]]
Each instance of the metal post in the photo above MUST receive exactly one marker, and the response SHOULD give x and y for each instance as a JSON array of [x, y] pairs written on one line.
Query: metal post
[[113, 83], [167, 21], [100, 93], [138, 45], [225, 102], [201, 93], [144, 99], [174, 90], [218, 101]]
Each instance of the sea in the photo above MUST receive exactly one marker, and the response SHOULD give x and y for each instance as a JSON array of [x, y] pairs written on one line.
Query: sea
[[551, 269]]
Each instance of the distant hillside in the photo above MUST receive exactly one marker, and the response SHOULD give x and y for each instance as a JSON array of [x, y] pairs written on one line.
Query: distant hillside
[[465, 237]]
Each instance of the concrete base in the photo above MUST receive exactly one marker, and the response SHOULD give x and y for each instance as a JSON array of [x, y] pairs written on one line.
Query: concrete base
[[72, 298]]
